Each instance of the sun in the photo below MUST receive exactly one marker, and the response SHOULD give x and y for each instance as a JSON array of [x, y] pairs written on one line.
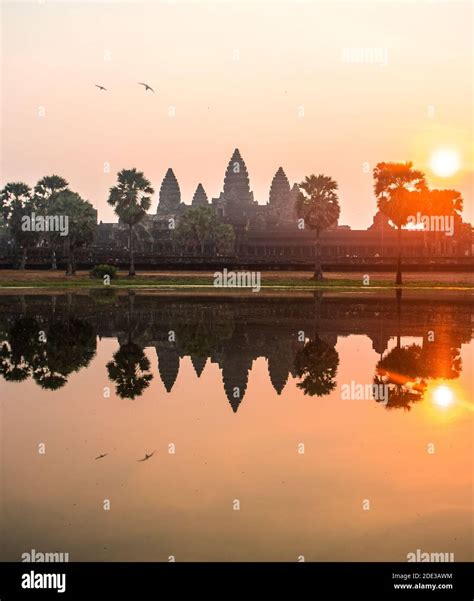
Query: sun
[[445, 162], [443, 396]]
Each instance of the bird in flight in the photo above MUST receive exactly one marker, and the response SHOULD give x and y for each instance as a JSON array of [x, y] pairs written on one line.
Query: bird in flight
[[101, 87], [102, 455], [147, 87], [147, 456]]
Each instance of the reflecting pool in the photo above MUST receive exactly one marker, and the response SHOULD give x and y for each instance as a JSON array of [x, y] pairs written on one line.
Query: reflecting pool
[[334, 427]]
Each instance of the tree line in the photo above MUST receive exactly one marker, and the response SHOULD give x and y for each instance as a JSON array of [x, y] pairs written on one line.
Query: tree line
[[401, 192], [51, 196]]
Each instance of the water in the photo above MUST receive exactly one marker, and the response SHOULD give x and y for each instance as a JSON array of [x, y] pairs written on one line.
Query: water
[[248, 392]]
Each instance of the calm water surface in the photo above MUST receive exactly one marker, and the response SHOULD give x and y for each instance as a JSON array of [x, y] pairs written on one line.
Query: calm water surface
[[249, 393]]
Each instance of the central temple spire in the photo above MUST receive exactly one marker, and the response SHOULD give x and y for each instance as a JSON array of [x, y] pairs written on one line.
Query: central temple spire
[[170, 194], [236, 183]]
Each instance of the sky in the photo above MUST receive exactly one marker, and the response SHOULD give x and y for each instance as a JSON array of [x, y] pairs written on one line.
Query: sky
[[279, 80]]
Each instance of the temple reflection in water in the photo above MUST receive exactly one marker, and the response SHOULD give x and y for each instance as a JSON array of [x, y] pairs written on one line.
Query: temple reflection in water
[[47, 338]]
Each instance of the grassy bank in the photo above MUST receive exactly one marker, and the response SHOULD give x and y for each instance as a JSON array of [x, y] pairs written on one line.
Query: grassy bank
[[269, 280]]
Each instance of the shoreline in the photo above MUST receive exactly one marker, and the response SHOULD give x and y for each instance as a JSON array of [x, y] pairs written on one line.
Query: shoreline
[[202, 283], [293, 280]]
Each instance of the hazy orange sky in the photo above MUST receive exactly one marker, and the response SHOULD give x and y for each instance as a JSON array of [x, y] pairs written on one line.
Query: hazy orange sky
[[267, 77]]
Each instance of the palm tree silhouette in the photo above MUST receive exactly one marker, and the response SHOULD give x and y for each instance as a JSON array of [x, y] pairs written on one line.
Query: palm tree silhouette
[[131, 200], [399, 190], [399, 371], [317, 364], [317, 361], [318, 205], [129, 366], [46, 190], [16, 202], [128, 370]]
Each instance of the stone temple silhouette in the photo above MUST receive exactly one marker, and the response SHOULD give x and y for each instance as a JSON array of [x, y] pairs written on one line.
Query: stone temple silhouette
[[270, 232]]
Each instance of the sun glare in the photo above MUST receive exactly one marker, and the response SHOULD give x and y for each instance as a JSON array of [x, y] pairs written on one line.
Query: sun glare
[[443, 396], [445, 162]]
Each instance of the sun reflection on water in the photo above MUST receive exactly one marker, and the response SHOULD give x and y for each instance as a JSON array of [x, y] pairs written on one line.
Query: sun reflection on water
[[447, 400], [443, 396]]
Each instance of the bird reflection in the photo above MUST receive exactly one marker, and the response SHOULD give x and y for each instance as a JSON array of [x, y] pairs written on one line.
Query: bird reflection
[[147, 456]]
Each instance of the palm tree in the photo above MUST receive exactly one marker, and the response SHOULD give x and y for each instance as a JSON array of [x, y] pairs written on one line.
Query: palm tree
[[131, 200], [316, 363], [399, 190], [130, 366], [15, 203], [48, 187], [129, 370], [318, 204], [399, 371], [46, 191]]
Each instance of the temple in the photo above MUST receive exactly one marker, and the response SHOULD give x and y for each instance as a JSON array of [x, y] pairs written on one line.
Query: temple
[[266, 235], [269, 233]]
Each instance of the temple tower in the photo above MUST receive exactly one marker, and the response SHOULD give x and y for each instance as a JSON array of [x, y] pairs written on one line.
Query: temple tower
[[236, 183], [168, 365], [278, 372], [198, 363], [170, 194], [235, 375], [289, 211], [280, 190], [236, 200], [200, 197], [380, 222], [281, 205]]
